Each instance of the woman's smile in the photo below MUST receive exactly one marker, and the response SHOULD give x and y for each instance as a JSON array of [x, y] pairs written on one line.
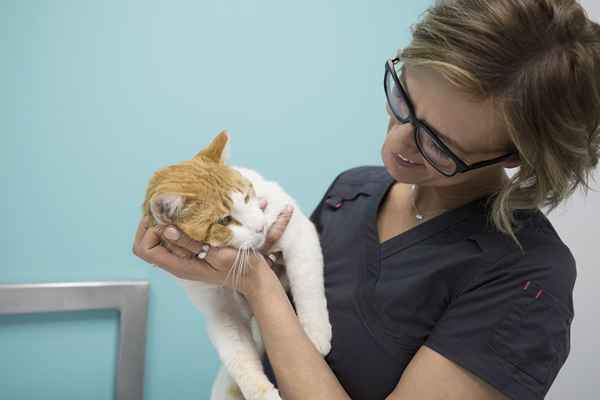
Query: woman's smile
[[405, 161]]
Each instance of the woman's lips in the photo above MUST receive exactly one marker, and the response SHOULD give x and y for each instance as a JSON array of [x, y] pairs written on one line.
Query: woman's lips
[[400, 160]]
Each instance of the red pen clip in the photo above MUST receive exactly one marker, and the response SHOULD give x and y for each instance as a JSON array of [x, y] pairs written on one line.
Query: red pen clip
[[525, 285], [334, 202]]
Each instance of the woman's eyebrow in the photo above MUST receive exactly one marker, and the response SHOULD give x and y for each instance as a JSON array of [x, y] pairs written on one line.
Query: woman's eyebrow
[[447, 139]]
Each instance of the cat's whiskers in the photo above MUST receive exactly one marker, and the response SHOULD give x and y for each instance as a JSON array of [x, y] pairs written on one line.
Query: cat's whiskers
[[253, 251], [240, 266], [244, 267], [233, 269]]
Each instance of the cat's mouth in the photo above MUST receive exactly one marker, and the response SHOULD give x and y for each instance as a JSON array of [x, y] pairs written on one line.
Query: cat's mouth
[[255, 243]]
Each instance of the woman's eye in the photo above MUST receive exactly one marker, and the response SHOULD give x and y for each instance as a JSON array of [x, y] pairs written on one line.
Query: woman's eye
[[435, 150], [225, 220], [439, 150]]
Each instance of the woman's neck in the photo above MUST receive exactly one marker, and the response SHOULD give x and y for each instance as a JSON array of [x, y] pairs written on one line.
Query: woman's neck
[[434, 198]]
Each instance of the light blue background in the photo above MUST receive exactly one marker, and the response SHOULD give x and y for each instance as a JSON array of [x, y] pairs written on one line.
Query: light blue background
[[97, 95]]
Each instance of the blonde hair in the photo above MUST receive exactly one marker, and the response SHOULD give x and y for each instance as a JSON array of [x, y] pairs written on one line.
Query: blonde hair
[[539, 63]]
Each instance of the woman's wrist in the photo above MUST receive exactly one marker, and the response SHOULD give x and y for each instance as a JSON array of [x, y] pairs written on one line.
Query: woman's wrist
[[261, 279]]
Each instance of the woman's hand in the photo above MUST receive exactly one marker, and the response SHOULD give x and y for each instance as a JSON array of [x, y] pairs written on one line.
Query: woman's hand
[[179, 255]]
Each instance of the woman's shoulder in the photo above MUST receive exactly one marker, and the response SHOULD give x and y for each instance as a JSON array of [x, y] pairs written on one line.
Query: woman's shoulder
[[542, 256], [532, 228], [544, 259], [366, 179], [363, 174]]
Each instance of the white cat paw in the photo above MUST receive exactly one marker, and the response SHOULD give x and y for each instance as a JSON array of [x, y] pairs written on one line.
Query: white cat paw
[[264, 391], [234, 393], [320, 337], [272, 394]]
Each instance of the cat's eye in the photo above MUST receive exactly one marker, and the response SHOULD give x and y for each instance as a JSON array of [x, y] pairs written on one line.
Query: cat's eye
[[225, 220], [247, 198]]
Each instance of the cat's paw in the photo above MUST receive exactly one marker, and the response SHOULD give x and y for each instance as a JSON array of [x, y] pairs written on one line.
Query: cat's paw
[[234, 393], [264, 391], [272, 394], [320, 336]]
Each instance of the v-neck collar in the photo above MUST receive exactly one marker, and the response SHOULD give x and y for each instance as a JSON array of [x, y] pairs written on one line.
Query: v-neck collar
[[419, 232], [373, 252]]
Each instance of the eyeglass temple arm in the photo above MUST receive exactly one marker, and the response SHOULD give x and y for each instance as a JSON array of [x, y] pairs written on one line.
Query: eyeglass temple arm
[[492, 161]]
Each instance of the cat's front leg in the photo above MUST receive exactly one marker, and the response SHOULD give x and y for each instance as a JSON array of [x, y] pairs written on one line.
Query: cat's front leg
[[304, 270], [233, 341]]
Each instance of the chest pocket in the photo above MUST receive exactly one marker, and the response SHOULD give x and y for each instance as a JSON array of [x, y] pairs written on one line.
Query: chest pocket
[[344, 192], [342, 215], [535, 334]]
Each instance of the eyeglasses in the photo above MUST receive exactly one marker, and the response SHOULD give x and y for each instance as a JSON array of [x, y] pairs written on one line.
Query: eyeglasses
[[427, 139]]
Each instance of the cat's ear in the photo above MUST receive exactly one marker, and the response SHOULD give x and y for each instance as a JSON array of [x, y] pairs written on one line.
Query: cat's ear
[[165, 207], [218, 149]]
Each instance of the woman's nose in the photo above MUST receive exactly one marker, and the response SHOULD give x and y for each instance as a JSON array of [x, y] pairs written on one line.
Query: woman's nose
[[387, 110], [403, 130]]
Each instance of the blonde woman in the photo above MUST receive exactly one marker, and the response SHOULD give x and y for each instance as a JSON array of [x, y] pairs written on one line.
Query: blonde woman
[[444, 280]]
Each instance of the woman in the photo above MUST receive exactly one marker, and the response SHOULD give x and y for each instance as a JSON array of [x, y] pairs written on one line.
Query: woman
[[443, 278]]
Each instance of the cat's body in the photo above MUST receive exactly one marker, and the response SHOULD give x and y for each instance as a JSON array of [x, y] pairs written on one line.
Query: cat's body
[[230, 325]]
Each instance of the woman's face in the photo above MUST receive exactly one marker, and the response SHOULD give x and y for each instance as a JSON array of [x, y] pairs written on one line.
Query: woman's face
[[473, 131]]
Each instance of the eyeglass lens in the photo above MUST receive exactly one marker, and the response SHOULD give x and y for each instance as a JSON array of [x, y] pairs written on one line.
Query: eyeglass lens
[[435, 154], [396, 98]]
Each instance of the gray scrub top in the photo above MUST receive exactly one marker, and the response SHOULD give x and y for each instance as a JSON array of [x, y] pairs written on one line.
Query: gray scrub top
[[453, 283]]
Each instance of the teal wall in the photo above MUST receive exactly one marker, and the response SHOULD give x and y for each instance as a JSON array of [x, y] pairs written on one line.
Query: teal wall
[[96, 95]]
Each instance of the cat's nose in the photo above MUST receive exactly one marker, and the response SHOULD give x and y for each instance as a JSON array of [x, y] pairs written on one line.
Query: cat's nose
[[261, 230]]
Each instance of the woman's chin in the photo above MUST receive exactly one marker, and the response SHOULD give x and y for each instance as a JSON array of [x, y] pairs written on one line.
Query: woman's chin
[[404, 175]]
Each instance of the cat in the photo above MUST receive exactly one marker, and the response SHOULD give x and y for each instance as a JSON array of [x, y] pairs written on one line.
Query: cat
[[219, 204]]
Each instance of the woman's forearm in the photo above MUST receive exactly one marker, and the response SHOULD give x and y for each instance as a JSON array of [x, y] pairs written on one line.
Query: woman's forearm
[[300, 370]]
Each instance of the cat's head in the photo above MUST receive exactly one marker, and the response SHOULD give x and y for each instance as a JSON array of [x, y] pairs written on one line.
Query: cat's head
[[208, 200]]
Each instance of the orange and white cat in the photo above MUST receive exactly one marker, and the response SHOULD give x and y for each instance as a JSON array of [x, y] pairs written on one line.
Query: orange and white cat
[[218, 204]]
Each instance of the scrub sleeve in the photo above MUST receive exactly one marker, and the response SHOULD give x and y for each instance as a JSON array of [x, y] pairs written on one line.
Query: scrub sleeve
[[510, 325]]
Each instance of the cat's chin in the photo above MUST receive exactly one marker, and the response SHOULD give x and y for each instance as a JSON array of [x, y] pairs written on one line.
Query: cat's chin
[[255, 244]]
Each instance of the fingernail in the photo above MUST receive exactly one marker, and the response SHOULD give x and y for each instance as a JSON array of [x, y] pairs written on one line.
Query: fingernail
[[289, 208], [171, 233]]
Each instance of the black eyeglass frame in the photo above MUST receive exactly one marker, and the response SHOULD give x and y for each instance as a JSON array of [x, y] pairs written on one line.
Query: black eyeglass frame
[[461, 166]]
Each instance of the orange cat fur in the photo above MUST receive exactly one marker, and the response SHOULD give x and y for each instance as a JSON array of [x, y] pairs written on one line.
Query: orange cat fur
[[205, 182]]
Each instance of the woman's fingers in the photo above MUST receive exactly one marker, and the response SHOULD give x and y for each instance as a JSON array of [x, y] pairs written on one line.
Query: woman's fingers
[[179, 238], [217, 258], [178, 251], [277, 228], [180, 259], [150, 250], [140, 232]]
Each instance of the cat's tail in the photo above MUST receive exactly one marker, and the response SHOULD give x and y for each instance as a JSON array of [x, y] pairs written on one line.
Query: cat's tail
[[224, 387]]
